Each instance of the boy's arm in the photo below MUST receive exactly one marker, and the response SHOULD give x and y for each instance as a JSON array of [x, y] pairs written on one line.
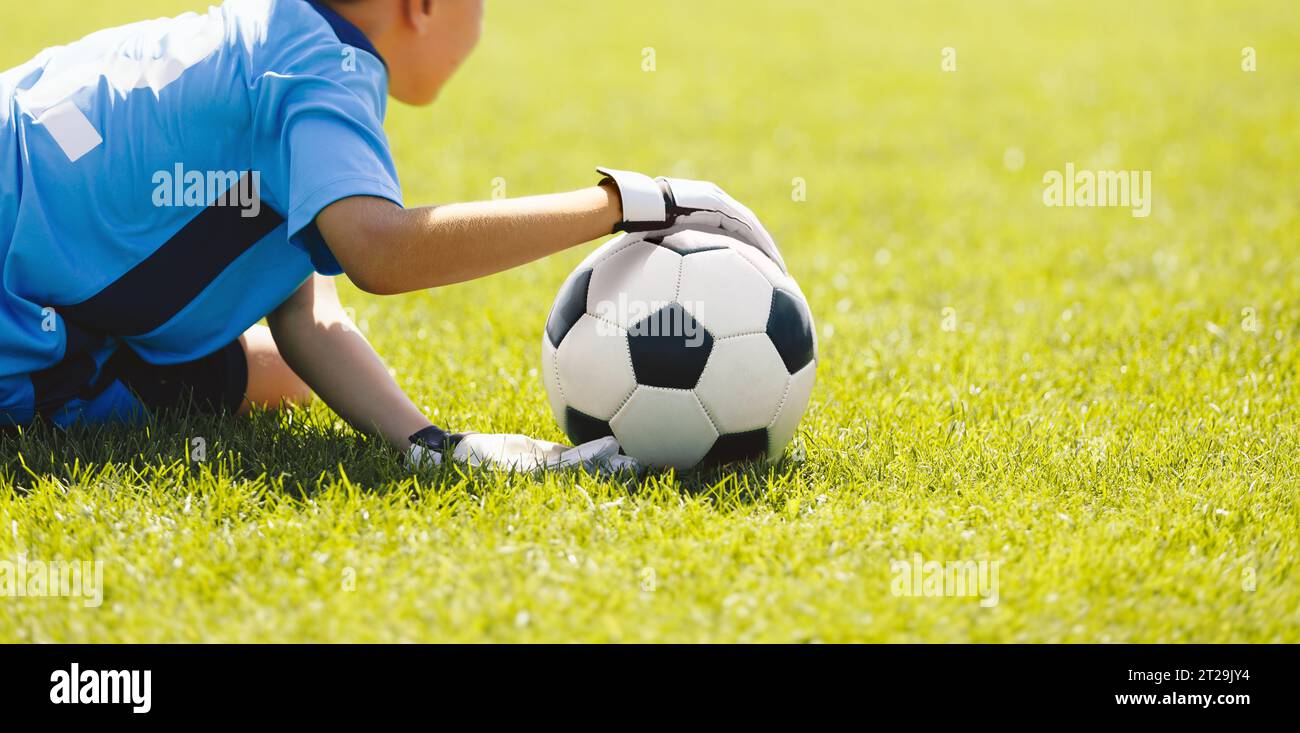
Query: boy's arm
[[320, 343], [386, 249]]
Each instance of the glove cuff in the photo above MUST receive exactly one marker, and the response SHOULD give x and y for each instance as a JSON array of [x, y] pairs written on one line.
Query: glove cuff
[[428, 445], [645, 205], [436, 438]]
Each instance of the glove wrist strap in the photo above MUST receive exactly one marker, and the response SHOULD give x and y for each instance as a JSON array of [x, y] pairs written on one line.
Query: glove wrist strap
[[429, 444], [436, 438], [644, 204]]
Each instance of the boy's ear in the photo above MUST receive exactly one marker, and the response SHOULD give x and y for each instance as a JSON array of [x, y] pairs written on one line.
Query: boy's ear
[[419, 15]]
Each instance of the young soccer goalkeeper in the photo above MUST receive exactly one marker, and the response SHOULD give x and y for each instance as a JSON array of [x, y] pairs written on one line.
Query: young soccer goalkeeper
[[167, 184]]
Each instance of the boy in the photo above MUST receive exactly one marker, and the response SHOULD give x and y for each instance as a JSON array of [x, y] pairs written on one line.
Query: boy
[[167, 184]]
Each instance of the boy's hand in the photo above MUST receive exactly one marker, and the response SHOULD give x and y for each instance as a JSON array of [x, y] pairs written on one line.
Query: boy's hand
[[518, 452], [652, 204]]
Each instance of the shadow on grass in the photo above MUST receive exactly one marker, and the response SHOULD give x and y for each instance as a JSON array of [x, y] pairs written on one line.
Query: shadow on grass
[[294, 448], [740, 483], [301, 451]]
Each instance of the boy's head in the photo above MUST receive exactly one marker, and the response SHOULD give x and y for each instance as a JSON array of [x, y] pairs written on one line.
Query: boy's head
[[423, 41]]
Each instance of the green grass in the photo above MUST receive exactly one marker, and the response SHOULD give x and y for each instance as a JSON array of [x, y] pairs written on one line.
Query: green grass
[[1097, 418]]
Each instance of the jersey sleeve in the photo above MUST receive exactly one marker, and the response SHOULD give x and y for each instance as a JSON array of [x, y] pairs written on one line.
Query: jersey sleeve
[[322, 140]]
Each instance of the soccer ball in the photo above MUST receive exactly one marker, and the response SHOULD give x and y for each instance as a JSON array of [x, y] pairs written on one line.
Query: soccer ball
[[690, 348]]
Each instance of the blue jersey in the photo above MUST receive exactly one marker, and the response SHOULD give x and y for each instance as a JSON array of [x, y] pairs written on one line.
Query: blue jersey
[[159, 184]]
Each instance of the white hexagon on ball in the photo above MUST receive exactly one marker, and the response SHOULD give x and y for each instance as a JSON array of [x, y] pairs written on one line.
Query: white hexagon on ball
[[783, 427], [769, 269], [634, 282], [595, 372], [664, 428], [724, 292], [551, 379], [743, 383]]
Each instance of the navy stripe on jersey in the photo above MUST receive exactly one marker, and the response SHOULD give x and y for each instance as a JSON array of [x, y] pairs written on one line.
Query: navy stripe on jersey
[[55, 385], [154, 291]]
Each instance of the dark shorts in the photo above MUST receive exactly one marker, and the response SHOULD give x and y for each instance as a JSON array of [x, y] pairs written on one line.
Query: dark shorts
[[127, 388], [214, 383]]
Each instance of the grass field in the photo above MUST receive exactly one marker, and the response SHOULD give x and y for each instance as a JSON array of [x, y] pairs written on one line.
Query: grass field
[[1104, 405]]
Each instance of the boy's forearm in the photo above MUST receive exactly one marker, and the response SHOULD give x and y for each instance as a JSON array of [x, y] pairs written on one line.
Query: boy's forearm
[[385, 249], [321, 344]]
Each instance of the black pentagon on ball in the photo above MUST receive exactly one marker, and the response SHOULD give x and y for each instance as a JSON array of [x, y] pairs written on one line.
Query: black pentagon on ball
[[789, 325], [569, 306], [581, 427], [681, 243], [736, 447], [669, 348]]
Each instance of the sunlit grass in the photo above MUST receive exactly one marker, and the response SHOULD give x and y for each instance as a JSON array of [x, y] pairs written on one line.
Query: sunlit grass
[[1105, 405]]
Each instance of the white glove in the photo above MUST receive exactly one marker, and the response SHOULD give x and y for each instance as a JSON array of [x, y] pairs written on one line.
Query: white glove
[[518, 452], [653, 204]]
